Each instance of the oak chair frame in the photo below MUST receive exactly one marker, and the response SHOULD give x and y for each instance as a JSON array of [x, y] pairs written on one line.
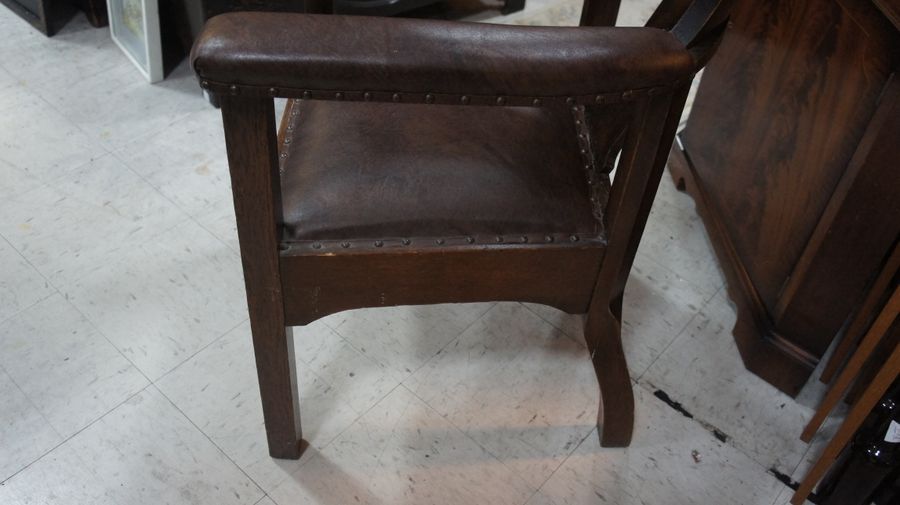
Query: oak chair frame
[[284, 282]]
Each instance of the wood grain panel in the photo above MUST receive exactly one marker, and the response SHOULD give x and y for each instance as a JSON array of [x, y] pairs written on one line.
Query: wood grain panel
[[803, 67], [788, 154]]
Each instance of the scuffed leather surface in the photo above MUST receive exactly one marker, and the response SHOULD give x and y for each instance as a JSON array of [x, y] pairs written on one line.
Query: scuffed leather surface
[[378, 170], [357, 53]]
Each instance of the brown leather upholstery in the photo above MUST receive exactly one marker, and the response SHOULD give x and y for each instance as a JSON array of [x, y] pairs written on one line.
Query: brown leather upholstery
[[413, 55], [357, 170]]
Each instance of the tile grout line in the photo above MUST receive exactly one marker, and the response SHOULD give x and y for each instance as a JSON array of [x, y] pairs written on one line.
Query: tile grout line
[[697, 288], [463, 432], [538, 490], [677, 336], [649, 388], [338, 435], [403, 383], [54, 289], [412, 372], [65, 116], [156, 190], [730, 440], [103, 146], [454, 339], [324, 446], [574, 338], [166, 197], [29, 399], [221, 450], [25, 309], [70, 437], [264, 496], [40, 413], [198, 351], [210, 440], [103, 334]]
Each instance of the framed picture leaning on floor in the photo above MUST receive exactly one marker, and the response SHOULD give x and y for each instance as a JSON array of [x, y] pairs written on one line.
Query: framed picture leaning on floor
[[134, 25]]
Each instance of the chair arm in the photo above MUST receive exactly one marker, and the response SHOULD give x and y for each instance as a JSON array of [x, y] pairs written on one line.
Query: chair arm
[[287, 54]]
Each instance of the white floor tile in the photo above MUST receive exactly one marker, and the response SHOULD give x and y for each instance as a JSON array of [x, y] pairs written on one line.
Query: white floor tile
[[676, 239], [402, 452], [356, 379], [518, 386], [220, 221], [6, 79], [671, 461], [165, 300], [146, 452], [90, 217], [186, 162], [218, 391], [668, 193], [784, 497], [813, 451], [21, 286], [633, 12], [658, 305], [59, 478], [15, 180], [404, 338], [703, 370], [38, 140], [24, 434], [78, 51], [69, 371], [117, 105]]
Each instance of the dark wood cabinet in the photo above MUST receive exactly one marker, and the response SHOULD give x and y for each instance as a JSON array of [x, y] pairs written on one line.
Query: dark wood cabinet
[[48, 16], [792, 154], [214, 7]]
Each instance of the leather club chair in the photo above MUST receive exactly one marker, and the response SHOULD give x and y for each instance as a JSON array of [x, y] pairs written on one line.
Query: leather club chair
[[424, 162]]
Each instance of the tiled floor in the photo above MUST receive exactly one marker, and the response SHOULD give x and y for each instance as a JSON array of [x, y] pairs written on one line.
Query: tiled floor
[[126, 371]]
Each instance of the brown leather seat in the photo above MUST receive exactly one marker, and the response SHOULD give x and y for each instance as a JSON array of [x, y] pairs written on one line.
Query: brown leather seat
[[375, 171]]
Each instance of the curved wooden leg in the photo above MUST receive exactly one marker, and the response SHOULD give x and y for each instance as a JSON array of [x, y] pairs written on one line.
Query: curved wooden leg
[[615, 421]]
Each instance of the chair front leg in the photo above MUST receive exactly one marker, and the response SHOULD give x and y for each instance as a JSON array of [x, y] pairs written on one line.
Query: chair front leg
[[603, 334], [640, 169], [273, 348], [252, 160]]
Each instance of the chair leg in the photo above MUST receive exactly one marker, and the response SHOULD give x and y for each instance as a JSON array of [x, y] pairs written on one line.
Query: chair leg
[[277, 373], [510, 6], [615, 421]]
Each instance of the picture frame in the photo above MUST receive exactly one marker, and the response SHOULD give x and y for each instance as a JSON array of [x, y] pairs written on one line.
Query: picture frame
[[134, 25]]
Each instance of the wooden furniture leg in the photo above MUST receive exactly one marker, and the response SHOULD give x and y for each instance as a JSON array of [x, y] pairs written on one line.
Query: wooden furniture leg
[[868, 344], [602, 329], [863, 316], [615, 421], [600, 12], [857, 415], [510, 6], [251, 140]]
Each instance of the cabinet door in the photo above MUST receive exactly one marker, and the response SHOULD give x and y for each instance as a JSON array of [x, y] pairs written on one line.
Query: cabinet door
[[777, 140]]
